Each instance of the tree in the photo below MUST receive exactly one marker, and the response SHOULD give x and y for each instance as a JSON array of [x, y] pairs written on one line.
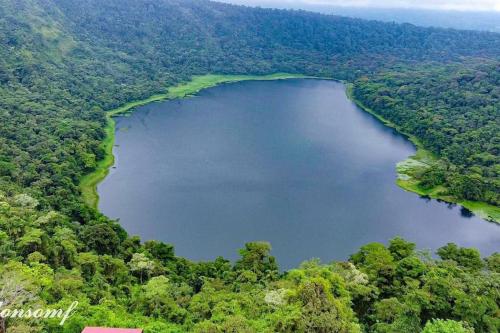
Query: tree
[[161, 251], [255, 257], [446, 326], [141, 265], [493, 262], [157, 299], [321, 312], [400, 248], [17, 289], [101, 238], [375, 260], [465, 257]]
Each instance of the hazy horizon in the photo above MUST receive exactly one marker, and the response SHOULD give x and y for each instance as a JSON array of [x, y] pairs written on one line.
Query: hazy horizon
[[440, 5], [481, 20]]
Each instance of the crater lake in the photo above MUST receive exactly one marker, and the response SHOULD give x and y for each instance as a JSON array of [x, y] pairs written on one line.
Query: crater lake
[[292, 162]]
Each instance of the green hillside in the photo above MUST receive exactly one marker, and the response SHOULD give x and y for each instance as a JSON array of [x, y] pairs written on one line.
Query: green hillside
[[65, 63]]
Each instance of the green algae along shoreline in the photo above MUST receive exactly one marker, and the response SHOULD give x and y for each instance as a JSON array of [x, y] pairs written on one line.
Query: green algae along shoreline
[[88, 183], [422, 159]]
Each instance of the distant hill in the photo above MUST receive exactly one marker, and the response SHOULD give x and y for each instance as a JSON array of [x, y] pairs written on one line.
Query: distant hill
[[465, 20]]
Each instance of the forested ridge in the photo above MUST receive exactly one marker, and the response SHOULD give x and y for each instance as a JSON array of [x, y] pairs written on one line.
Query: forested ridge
[[454, 110], [64, 62]]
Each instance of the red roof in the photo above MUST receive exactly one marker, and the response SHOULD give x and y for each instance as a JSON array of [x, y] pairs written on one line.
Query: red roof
[[110, 330]]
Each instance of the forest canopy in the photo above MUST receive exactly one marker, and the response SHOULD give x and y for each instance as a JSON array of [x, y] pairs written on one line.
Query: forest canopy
[[64, 63]]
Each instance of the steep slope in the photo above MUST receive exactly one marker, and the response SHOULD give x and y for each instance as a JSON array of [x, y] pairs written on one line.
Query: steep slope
[[64, 62]]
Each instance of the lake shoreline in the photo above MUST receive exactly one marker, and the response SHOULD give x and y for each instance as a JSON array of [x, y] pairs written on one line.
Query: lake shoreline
[[88, 183], [421, 158]]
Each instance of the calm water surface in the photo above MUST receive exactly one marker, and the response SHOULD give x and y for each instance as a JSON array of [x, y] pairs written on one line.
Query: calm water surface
[[291, 162]]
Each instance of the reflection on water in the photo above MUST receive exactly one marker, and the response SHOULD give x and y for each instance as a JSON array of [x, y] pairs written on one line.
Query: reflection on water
[[464, 212], [291, 162]]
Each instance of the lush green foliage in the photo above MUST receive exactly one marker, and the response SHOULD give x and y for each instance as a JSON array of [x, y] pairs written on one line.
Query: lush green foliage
[[63, 62], [454, 111], [119, 281]]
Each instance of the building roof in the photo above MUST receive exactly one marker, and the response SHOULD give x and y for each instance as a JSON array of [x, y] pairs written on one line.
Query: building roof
[[110, 330]]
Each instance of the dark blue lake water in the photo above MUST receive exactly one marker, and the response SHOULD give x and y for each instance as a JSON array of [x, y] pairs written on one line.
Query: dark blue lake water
[[292, 162]]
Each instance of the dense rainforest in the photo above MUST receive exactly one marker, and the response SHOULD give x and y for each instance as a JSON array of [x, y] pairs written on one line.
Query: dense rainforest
[[454, 111], [63, 63]]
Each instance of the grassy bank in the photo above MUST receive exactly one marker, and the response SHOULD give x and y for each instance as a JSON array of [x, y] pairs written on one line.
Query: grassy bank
[[89, 182], [421, 160]]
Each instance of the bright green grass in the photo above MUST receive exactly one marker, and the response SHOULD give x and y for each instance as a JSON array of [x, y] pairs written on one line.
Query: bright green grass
[[424, 159], [89, 182], [206, 81]]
